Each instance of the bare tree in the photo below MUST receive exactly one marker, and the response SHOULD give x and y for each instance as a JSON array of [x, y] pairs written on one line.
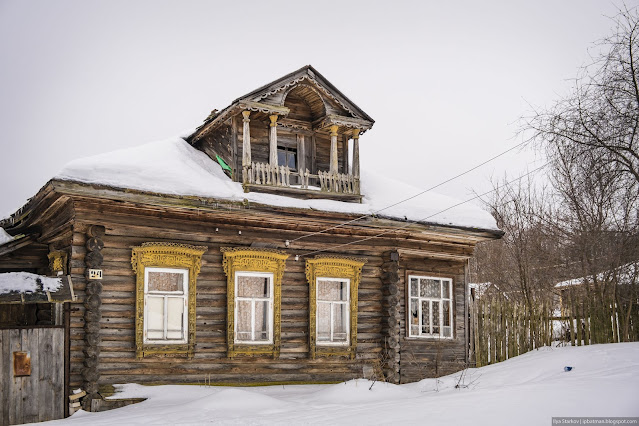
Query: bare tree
[[601, 115]]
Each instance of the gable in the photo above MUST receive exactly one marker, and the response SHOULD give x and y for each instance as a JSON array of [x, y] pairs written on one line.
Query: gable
[[315, 86], [304, 94]]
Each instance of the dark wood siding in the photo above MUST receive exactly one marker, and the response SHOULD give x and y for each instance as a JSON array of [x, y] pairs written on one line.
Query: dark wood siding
[[429, 357], [125, 229]]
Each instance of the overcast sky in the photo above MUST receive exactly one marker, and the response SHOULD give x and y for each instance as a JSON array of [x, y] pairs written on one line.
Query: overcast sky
[[446, 82]]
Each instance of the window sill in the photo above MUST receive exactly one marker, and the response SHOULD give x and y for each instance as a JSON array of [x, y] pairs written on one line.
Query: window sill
[[253, 349], [168, 350], [418, 338]]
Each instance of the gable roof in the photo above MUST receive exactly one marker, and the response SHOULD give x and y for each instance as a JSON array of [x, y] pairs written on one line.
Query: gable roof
[[306, 73], [257, 100]]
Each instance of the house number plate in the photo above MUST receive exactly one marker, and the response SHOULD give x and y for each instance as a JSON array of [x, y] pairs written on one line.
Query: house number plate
[[95, 274]]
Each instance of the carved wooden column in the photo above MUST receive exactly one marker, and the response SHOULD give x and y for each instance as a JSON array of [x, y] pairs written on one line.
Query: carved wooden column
[[92, 315], [355, 171], [333, 168], [301, 153], [246, 146], [390, 326], [273, 141]]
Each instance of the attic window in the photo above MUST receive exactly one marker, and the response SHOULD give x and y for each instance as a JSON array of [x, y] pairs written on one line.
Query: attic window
[[287, 157]]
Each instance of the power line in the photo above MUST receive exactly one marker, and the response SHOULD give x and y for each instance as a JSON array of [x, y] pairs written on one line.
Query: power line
[[424, 218], [409, 198]]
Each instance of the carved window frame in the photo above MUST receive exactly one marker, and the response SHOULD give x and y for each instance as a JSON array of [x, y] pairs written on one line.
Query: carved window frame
[[165, 255], [333, 267], [252, 260]]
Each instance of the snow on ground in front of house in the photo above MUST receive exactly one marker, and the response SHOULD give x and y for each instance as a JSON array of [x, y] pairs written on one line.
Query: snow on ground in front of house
[[4, 237], [25, 282], [527, 390], [176, 168]]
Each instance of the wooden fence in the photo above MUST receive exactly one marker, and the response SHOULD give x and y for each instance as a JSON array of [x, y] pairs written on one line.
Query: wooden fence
[[502, 328], [588, 317], [31, 374]]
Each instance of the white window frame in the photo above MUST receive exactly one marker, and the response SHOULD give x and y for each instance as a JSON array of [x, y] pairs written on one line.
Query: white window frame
[[431, 300], [346, 302], [184, 294], [270, 276]]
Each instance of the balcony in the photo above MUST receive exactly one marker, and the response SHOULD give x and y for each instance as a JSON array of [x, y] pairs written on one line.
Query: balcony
[[281, 180]]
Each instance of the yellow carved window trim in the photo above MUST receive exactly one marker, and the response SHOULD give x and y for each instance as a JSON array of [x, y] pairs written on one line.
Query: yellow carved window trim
[[333, 267], [165, 255], [251, 260]]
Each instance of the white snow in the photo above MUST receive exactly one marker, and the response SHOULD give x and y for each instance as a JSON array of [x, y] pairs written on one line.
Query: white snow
[[526, 390], [4, 237], [174, 167], [25, 282], [480, 288], [626, 275]]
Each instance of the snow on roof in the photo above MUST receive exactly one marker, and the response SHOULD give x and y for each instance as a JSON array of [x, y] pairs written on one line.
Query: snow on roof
[[173, 167], [26, 282], [480, 288], [626, 274], [4, 237]]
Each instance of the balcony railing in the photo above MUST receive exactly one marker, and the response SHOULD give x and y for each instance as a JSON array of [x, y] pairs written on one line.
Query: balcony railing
[[266, 174]]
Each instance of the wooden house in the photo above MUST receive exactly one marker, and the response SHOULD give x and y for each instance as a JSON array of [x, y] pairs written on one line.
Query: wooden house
[[267, 263]]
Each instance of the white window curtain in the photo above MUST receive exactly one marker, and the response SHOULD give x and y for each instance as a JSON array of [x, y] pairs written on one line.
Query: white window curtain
[[165, 305]]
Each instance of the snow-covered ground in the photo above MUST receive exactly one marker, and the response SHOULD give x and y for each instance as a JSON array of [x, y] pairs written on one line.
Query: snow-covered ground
[[526, 390]]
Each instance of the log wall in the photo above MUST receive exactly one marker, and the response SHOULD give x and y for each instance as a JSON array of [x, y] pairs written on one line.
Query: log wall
[[128, 226], [429, 357]]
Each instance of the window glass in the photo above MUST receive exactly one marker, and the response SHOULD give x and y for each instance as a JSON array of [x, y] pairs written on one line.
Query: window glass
[[175, 318], [165, 305], [254, 316], [340, 322], [414, 287], [430, 307], [287, 157], [261, 320], [333, 311], [445, 290], [243, 320], [249, 286], [166, 281], [155, 317], [281, 156], [435, 317], [446, 313], [323, 322], [292, 160], [332, 290], [426, 317], [430, 288]]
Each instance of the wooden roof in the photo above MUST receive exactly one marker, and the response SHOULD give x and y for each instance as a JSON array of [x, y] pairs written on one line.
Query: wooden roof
[[270, 99], [63, 294]]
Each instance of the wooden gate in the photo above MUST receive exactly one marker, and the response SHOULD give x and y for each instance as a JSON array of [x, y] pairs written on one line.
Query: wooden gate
[[31, 374]]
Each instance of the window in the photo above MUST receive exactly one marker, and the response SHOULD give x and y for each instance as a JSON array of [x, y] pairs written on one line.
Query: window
[[287, 157], [254, 278], [165, 305], [166, 275], [430, 307], [253, 307], [333, 311], [333, 284]]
